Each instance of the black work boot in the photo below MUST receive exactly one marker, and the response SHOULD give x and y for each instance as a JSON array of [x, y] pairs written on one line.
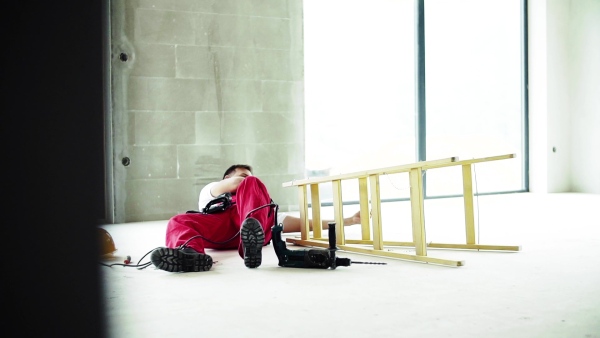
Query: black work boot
[[253, 237], [181, 260]]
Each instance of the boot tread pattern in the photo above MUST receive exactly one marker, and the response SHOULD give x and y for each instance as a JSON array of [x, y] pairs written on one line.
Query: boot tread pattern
[[174, 260], [253, 238]]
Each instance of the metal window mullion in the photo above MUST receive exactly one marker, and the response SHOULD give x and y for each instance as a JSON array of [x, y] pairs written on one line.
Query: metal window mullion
[[420, 107], [525, 94]]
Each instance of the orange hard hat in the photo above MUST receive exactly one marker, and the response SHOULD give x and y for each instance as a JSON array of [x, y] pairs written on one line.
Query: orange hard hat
[[106, 243]]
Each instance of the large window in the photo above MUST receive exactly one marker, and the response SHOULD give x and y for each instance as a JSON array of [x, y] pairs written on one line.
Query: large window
[[359, 87], [360, 93], [473, 91]]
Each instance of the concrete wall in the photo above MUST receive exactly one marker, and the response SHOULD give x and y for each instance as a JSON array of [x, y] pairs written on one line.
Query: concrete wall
[[206, 84], [211, 83], [564, 87]]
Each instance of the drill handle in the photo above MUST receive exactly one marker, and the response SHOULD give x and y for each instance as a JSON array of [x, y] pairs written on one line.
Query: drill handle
[[332, 237], [278, 243]]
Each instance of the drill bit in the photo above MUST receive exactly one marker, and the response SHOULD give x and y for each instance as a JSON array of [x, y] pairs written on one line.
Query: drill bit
[[374, 263]]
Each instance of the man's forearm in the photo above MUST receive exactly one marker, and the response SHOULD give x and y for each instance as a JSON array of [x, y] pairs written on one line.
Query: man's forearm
[[227, 185], [294, 224]]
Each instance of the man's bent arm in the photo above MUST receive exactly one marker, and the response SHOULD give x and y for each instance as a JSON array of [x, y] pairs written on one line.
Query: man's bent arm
[[226, 185]]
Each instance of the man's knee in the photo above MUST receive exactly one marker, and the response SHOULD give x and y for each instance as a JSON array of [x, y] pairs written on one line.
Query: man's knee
[[251, 180]]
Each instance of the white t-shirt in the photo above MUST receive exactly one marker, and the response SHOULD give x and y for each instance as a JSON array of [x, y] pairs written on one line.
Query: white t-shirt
[[206, 196]]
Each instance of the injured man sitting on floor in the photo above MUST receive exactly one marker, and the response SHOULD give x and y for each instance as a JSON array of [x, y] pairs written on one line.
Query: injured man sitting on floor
[[241, 219]]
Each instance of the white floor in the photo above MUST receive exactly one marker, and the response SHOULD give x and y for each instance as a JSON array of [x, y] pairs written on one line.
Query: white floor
[[551, 288]]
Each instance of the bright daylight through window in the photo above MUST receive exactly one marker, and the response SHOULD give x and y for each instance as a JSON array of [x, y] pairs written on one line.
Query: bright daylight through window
[[360, 90]]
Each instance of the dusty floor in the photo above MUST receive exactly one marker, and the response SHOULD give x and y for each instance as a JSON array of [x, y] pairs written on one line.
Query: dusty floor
[[551, 288]]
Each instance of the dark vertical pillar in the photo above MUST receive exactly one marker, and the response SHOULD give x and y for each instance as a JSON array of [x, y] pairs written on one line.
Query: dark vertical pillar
[[52, 171]]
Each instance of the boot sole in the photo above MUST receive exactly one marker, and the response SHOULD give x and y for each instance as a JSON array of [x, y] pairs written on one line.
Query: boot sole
[[173, 260], [253, 238]]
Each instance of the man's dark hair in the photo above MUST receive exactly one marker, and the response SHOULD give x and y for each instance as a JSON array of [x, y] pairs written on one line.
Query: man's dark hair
[[232, 169]]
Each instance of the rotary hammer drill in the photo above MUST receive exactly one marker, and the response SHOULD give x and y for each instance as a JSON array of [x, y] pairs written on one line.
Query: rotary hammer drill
[[309, 258]]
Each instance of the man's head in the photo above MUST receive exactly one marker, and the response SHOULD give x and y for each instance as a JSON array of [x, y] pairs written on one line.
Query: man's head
[[238, 170]]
